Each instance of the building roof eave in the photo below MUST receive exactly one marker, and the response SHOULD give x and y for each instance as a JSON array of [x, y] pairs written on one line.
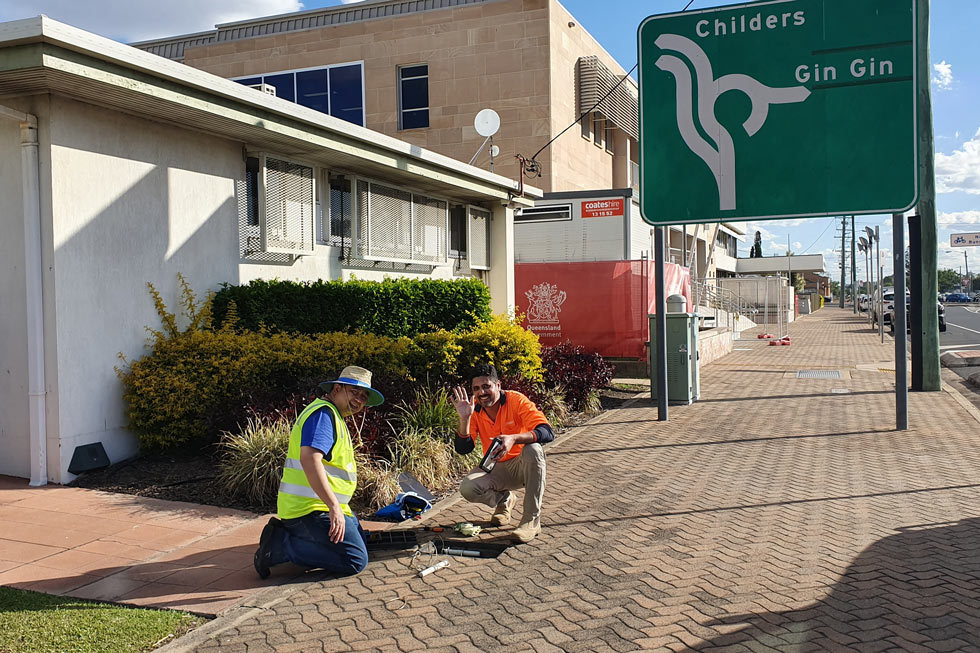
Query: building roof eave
[[101, 71]]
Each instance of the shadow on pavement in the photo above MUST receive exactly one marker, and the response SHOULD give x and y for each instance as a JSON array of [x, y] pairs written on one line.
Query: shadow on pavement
[[800, 396], [770, 504], [917, 587], [678, 445]]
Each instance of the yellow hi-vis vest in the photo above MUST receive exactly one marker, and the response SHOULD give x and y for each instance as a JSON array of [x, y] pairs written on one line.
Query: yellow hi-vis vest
[[296, 496]]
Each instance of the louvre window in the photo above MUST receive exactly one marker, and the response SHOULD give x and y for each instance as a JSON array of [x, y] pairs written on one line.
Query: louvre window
[[341, 211], [413, 96], [457, 231], [337, 90], [553, 213]]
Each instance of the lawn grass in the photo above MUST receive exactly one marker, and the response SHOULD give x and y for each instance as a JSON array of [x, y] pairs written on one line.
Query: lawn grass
[[629, 387], [41, 623]]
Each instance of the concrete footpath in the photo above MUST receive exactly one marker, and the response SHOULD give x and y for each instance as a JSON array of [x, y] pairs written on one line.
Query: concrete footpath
[[777, 513]]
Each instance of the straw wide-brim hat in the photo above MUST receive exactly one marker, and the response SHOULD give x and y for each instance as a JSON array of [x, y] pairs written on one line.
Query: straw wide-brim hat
[[360, 377]]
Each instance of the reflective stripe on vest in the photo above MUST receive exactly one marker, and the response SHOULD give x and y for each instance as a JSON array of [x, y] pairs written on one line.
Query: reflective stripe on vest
[[342, 474], [303, 491], [296, 496]]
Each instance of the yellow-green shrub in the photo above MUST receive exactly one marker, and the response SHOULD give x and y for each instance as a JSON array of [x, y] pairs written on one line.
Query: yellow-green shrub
[[433, 358], [192, 386], [199, 382], [505, 344]]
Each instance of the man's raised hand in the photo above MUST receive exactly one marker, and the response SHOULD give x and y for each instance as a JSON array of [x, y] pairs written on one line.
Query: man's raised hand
[[461, 399]]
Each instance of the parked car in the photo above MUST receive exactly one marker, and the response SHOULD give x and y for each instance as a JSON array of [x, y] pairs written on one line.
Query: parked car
[[956, 297], [886, 299], [890, 316]]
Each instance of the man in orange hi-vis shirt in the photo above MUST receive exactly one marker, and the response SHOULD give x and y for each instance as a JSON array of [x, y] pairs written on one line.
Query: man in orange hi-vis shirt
[[521, 429]]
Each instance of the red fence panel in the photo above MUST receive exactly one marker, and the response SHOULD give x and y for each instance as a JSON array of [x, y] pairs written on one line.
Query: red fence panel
[[601, 305]]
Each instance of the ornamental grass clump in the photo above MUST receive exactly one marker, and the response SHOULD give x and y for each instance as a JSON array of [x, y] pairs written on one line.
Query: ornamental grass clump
[[377, 482], [432, 411], [251, 462], [592, 405], [425, 456], [554, 406]]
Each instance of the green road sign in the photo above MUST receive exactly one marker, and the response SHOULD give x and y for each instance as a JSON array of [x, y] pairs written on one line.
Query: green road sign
[[778, 109]]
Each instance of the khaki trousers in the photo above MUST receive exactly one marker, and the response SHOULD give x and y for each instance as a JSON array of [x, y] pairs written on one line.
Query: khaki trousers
[[525, 471]]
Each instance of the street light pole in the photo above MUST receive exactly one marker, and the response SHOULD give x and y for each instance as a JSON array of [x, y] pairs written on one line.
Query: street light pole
[[881, 287], [853, 268], [872, 295], [843, 257]]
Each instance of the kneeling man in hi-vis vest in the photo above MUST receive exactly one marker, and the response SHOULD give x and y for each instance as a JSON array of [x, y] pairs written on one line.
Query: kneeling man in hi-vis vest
[[521, 429], [315, 526]]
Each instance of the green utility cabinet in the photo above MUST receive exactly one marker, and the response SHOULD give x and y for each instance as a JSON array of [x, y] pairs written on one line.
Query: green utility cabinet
[[683, 384]]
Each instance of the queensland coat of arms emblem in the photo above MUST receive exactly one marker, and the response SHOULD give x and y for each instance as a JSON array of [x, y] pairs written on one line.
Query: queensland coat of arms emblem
[[545, 303]]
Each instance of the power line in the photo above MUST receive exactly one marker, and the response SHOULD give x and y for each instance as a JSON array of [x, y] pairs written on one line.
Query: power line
[[830, 223], [608, 93], [531, 165]]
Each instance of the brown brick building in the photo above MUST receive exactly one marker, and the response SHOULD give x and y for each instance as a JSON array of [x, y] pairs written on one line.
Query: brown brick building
[[421, 70]]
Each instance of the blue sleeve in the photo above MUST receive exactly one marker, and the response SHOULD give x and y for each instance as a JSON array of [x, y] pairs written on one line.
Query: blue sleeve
[[318, 432]]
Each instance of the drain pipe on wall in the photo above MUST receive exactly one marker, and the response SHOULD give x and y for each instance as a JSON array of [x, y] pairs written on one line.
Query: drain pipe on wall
[[30, 178]]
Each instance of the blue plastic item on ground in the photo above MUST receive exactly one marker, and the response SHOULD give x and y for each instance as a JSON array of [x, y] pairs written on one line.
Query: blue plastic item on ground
[[405, 506]]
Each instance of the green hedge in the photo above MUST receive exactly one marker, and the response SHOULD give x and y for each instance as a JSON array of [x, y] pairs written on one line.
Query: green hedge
[[392, 308], [195, 384]]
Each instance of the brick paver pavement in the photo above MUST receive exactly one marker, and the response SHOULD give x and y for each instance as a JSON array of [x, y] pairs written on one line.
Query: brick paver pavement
[[776, 514]]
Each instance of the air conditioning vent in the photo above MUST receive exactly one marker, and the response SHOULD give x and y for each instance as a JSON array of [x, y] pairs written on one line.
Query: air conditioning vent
[[268, 89]]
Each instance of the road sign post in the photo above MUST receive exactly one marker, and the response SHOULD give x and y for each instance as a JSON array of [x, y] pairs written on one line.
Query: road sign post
[[783, 108]]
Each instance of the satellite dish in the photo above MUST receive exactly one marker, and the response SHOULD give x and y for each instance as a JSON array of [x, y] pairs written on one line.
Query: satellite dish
[[487, 123], [494, 150]]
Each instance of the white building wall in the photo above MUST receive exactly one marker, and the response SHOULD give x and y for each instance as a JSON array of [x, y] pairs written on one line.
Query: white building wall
[[14, 427], [133, 201], [641, 239], [578, 239]]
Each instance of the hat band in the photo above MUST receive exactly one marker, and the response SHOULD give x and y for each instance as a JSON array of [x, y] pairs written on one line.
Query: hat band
[[350, 381]]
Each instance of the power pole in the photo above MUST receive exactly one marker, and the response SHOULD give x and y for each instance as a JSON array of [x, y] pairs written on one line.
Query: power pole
[[843, 258], [931, 380]]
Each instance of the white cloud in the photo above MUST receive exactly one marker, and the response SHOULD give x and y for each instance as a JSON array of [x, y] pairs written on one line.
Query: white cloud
[[797, 246], [135, 20], [960, 171], [959, 218], [942, 78]]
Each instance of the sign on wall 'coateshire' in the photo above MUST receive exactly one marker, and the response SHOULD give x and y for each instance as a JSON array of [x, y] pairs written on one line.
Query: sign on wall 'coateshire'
[[603, 208], [778, 109]]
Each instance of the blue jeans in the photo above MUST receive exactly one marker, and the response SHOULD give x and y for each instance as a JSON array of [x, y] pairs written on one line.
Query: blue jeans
[[305, 541]]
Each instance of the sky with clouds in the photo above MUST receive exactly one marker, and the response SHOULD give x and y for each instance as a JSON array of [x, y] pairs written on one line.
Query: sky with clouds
[[955, 63]]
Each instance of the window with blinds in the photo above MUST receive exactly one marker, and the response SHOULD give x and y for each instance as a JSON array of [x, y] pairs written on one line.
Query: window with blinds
[[394, 224], [279, 202]]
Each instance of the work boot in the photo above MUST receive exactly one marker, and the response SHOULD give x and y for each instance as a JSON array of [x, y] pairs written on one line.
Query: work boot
[[264, 553], [501, 516], [526, 531]]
